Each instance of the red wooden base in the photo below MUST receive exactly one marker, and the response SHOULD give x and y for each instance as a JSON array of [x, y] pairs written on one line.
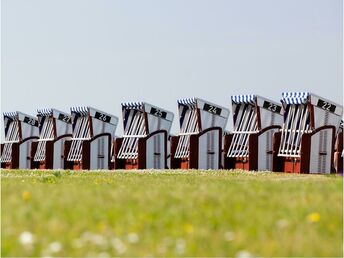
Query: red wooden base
[[42, 165], [242, 164], [131, 164], [77, 165], [237, 163], [292, 165], [184, 164], [7, 165]]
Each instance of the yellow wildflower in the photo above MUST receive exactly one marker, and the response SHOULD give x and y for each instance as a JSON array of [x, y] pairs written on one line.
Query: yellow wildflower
[[101, 226], [26, 196], [188, 228], [313, 217]]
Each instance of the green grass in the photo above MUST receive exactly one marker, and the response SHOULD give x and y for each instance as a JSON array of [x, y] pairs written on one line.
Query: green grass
[[171, 213]]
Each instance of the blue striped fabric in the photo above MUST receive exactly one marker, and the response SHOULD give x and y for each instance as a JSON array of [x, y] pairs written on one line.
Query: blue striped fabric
[[295, 97], [249, 99], [187, 101], [45, 111], [80, 110], [10, 114], [133, 105]]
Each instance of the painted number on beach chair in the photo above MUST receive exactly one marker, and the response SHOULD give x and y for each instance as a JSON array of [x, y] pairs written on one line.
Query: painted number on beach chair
[[64, 118], [212, 109], [326, 105], [102, 117], [30, 121], [157, 112], [272, 107]]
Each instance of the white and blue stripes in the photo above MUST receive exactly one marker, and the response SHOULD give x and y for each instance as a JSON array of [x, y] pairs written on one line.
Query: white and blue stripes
[[133, 105], [295, 97], [10, 114], [45, 112], [187, 101], [79, 109], [249, 99]]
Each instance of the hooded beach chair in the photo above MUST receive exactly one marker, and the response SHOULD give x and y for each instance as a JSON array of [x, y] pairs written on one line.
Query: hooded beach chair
[[21, 131], [305, 144], [144, 144], [249, 146], [93, 133], [199, 142], [55, 127]]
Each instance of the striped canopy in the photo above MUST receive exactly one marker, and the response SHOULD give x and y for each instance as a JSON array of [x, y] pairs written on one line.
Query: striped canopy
[[295, 97], [187, 101], [133, 105], [249, 99], [10, 114], [45, 111], [80, 109]]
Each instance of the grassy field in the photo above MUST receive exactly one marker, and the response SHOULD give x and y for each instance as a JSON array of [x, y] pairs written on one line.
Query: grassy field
[[171, 213]]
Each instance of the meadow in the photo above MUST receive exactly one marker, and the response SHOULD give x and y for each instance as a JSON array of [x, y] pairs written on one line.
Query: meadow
[[170, 213]]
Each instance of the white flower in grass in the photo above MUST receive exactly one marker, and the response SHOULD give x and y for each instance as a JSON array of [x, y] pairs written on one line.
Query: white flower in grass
[[282, 223], [229, 236], [95, 239], [161, 249], [45, 256], [98, 240], [133, 238], [243, 254], [77, 243], [55, 247], [86, 236], [118, 245], [180, 246], [103, 254], [26, 238]]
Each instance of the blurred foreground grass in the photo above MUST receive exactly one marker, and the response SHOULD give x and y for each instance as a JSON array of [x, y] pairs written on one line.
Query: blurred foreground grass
[[170, 213]]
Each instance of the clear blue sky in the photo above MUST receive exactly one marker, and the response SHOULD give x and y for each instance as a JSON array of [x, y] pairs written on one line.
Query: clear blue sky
[[61, 53]]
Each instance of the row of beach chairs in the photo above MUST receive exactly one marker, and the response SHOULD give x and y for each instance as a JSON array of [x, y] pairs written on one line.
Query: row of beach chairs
[[303, 133]]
